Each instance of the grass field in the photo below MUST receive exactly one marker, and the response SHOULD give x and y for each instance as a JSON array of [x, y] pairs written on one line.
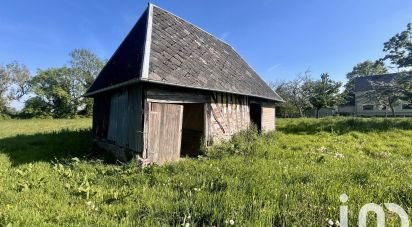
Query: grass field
[[292, 177]]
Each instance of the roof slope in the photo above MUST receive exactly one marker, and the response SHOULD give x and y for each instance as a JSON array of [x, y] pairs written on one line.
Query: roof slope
[[178, 53], [126, 62], [365, 83]]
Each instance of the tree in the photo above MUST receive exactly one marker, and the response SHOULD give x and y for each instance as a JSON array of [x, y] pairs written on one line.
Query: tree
[[19, 76], [85, 67], [404, 83], [399, 49], [13, 83], [4, 86], [366, 68], [36, 107], [294, 95], [385, 94], [56, 91], [322, 93]]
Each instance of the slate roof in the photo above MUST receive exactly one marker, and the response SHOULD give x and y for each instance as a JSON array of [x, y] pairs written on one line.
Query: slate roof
[[178, 53], [365, 83]]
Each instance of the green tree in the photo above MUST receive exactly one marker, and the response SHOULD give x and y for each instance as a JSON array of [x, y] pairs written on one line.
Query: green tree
[[55, 88], [404, 82], [19, 76], [61, 89], [85, 66], [294, 96], [36, 107], [366, 68], [14, 84], [322, 93], [4, 86], [386, 94], [399, 49]]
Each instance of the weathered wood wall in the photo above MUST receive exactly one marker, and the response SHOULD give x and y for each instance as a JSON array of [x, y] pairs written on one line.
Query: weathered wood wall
[[117, 118], [268, 117], [101, 113], [226, 115], [164, 127]]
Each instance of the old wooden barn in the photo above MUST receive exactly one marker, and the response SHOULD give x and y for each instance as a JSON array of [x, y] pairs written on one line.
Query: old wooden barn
[[171, 86]]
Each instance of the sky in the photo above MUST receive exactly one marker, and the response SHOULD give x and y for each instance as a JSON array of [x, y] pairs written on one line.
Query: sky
[[278, 38]]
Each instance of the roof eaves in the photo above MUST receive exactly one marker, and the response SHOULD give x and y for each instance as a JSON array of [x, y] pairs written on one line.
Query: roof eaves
[[208, 89]]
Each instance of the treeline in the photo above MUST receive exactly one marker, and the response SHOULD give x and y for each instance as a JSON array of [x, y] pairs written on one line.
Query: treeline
[[57, 92], [50, 93], [303, 94]]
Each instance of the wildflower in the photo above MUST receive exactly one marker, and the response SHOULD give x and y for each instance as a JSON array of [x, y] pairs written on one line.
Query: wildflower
[[330, 222], [187, 225], [339, 155], [337, 223], [231, 222]]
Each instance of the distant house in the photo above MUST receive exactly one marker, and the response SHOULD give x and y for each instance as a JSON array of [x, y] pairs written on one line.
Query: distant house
[[362, 105], [171, 86]]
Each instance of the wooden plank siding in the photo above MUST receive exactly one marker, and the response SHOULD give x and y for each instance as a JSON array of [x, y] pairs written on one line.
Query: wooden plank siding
[[164, 132], [268, 117], [101, 113], [121, 122]]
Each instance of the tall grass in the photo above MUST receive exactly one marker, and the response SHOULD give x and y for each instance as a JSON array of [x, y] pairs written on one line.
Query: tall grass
[[292, 177]]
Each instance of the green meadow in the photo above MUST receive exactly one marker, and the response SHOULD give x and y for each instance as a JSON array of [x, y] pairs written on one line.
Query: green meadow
[[291, 177]]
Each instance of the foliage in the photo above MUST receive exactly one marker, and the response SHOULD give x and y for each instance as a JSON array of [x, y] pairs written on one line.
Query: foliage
[[399, 48], [85, 67], [36, 107], [404, 82], [19, 76], [56, 93], [385, 94], [4, 86], [294, 96], [367, 68], [14, 85], [323, 93], [292, 177]]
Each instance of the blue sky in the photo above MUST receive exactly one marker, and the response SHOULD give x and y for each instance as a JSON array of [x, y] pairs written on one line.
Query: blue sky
[[279, 39]]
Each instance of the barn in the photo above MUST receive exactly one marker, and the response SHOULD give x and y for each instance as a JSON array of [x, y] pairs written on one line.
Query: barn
[[171, 86]]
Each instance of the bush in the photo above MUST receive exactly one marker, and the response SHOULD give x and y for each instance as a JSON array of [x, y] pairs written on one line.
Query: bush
[[4, 116]]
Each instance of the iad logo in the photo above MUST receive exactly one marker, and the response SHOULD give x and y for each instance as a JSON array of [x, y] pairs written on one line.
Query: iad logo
[[372, 207]]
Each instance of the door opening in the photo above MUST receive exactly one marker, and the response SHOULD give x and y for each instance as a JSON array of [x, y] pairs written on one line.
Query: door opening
[[192, 129], [256, 115]]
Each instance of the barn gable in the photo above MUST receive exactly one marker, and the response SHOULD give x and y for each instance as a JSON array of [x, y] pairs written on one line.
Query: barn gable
[[165, 49], [126, 63]]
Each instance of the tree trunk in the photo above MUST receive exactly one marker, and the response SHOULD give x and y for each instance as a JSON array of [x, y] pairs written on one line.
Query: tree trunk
[[317, 113], [393, 111], [301, 112]]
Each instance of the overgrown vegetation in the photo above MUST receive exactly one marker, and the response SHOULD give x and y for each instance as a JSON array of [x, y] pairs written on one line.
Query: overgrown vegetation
[[290, 177]]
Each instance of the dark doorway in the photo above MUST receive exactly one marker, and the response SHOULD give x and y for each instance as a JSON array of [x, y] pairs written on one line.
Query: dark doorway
[[256, 115], [192, 129]]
